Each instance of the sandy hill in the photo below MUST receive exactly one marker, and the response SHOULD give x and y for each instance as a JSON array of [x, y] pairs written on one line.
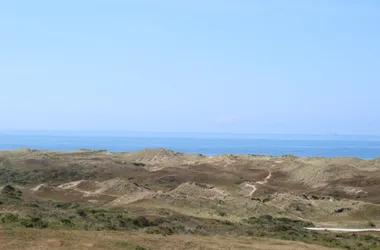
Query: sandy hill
[[223, 185]]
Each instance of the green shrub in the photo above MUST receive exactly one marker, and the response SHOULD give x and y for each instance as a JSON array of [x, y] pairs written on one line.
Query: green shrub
[[124, 222], [265, 217], [221, 213], [33, 222], [166, 230], [74, 205], [140, 248], [9, 218], [33, 205], [66, 222], [8, 189], [141, 221], [127, 245], [81, 212], [371, 224], [9, 192]]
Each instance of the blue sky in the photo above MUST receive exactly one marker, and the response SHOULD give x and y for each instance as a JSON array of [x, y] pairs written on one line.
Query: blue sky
[[297, 66]]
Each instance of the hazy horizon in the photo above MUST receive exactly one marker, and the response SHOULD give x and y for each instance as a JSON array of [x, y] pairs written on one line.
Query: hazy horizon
[[271, 67], [147, 133]]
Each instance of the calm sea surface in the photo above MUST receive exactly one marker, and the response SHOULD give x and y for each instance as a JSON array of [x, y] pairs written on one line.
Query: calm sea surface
[[366, 147]]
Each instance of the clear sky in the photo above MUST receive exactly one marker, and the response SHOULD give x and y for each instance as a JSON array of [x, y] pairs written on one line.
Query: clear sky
[[296, 66]]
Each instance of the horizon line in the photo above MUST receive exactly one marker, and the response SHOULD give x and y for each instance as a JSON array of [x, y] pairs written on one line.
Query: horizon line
[[177, 132]]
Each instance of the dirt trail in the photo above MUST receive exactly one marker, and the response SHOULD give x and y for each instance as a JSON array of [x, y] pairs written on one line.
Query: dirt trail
[[266, 178], [254, 188], [344, 229]]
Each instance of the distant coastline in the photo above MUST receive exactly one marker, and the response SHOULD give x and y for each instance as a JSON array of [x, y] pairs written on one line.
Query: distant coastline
[[126, 133], [364, 147], [170, 153]]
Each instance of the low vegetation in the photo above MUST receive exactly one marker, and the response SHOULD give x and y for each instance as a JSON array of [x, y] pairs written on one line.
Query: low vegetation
[[35, 176], [74, 216]]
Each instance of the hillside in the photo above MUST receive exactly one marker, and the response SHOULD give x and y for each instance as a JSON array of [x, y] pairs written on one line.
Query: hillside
[[202, 193]]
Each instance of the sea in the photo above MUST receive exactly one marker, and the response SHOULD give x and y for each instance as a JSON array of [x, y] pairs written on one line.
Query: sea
[[364, 147]]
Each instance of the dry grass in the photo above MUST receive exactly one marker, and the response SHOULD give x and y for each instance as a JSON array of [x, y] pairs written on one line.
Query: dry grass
[[25, 239]]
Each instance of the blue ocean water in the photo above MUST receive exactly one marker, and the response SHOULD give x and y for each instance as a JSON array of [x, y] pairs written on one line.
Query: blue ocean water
[[365, 147]]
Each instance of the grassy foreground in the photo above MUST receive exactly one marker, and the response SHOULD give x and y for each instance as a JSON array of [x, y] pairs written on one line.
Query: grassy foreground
[[17, 238], [64, 225]]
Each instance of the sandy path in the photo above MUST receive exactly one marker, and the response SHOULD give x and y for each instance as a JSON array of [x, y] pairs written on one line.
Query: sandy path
[[266, 178], [344, 229], [254, 188]]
